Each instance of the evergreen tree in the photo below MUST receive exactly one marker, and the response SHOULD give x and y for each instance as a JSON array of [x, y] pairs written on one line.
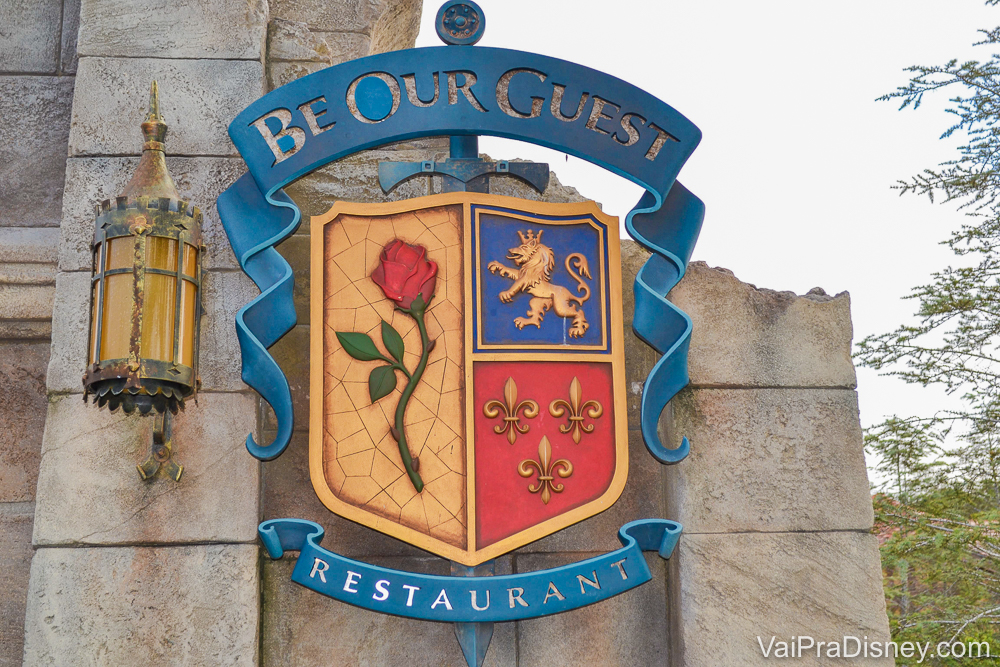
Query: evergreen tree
[[938, 511]]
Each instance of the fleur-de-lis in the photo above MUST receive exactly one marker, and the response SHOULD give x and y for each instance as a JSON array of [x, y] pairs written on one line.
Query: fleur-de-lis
[[576, 408], [510, 407], [546, 469]]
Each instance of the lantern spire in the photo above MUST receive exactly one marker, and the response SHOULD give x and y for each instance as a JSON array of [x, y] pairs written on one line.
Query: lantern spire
[[151, 177]]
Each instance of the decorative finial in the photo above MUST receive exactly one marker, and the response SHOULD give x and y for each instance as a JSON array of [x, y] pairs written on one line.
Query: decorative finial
[[151, 178], [460, 23]]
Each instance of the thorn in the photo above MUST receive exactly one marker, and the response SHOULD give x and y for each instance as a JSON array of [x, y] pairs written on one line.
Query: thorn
[[394, 432], [416, 464]]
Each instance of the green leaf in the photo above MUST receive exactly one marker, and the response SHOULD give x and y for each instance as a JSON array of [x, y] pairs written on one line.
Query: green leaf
[[393, 341], [359, 346], [381, 382]]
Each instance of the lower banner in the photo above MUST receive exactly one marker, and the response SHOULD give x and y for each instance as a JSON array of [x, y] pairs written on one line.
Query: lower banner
[[470, 599]]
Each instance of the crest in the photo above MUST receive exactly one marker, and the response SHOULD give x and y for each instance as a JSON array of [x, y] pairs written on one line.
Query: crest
[[467, 382]]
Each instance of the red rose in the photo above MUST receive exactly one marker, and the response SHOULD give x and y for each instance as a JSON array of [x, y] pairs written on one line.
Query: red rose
[[404, 272]]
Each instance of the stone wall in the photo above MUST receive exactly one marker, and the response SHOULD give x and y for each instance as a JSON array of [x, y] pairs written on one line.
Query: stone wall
[[37, 68]]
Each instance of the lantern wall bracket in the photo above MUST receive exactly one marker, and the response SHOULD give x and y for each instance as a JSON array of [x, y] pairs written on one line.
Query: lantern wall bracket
[[161, 453]]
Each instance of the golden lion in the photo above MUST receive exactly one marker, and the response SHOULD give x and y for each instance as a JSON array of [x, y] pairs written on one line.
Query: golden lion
[[535, 262]]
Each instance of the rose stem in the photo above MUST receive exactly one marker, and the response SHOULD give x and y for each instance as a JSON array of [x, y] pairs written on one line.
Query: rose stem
[[404, 450]]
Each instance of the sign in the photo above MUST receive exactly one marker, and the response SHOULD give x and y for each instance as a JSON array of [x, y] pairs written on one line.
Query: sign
[[467, 380], [497, 367]]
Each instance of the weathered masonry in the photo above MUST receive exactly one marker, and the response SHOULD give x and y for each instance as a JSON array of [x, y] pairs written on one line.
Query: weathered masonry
[[101, 568]]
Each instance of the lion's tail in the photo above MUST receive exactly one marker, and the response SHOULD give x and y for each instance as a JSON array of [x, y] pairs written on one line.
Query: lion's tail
[[580, 262]]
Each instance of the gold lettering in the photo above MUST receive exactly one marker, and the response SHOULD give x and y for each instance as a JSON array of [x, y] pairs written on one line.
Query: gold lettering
[[296, 133], [556, 106], [409, 82], [597, 113], [311, 116], [503, 94], [661, 138], [453, 88], [632, 130]]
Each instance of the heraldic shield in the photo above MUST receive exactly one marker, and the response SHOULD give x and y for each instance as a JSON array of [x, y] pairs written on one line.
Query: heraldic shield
[[467, 382]]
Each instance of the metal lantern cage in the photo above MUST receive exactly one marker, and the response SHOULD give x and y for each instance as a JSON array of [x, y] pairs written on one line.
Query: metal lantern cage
[[145, 301]]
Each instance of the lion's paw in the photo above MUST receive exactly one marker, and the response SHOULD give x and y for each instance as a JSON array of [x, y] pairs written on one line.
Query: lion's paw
[[506, 297], [494, 266]]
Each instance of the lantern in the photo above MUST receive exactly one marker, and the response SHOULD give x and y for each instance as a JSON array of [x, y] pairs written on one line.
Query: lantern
[[145, 297]]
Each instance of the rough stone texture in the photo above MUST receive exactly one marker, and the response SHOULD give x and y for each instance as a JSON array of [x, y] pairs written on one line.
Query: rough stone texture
[[726, 590], [32, 163], [346, 46], [29, 37], [68, 57], [280, 73], [295, 250], [15, 555], [22, 419], [27, 245], [88, 463], [397, 27], [173, 28], [744, 336], [343, 15], [25, 329], [769, 460], [198, 99], [291, 40], [302, 628], [26, 302], [223, 293], [626, 631], [292, 354], [70, 327], [92, 180], [131, 606]]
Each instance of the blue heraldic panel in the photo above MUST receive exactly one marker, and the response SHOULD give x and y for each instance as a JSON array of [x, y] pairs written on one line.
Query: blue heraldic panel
[[565, 254]]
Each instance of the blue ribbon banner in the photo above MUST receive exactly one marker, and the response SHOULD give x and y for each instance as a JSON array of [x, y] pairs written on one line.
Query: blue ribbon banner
[[469, 599], [461, 90]]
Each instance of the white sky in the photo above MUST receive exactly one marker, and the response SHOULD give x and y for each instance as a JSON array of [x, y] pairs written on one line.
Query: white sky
[[797, 158]]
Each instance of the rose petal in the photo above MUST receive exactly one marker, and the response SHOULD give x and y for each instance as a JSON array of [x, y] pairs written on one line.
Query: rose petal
[[408, 254], [390, 251]]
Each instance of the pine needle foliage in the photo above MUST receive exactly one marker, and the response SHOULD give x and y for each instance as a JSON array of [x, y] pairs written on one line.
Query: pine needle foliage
[[938, 510]]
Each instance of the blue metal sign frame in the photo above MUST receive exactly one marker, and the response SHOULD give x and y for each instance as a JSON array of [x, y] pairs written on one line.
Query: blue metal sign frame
[[456, 91]]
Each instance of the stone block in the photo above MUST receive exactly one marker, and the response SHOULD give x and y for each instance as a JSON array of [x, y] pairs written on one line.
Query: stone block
[[728, 590], [22, 419], [292, 354], [291, 40], [129, 606], [198, 99], [346, 46], [15, 554], [640, 357], [26, 302], [68, 57], [295, 250], [220, 363], [29, 37], [641, 499], [231, 29], [397, 26], [32, 163], [27, 245], [288, 493], [26, 329], [70, 333], [88, 461], [302, 628], [769, 460], [92, 180], [281, 72], [744, 336], [626, 631]]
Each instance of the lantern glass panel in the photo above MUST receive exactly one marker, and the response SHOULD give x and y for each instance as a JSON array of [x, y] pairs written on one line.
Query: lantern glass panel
[[121, 251], [186, 330], [161, 253], [159, 303], [116, 327], [93, 322]]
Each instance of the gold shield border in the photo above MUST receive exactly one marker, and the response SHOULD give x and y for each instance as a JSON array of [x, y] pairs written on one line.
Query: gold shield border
[[469, 556]]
